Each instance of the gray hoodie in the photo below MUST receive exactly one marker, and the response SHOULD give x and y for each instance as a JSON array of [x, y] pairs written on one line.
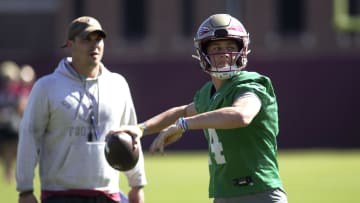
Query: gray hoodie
[[56, 126]]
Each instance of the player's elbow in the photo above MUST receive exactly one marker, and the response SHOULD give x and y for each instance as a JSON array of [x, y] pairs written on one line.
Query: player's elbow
[[246, 120], [247, 116]]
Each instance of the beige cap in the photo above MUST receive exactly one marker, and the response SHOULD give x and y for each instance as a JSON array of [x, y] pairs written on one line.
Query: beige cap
[[9, 70], [82, 27]]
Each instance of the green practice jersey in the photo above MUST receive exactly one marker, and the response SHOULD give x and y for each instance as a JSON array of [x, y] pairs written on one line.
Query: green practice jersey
[[243, 160]]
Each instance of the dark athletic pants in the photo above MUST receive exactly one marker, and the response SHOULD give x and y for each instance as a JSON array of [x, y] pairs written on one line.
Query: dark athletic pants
[[78, 199]]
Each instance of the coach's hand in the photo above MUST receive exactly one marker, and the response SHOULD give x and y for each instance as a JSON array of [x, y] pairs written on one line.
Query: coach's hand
[[136, 195], [28, 198], [167, 136]]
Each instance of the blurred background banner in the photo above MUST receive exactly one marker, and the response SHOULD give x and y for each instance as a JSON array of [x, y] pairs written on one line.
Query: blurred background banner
[[310, 49]]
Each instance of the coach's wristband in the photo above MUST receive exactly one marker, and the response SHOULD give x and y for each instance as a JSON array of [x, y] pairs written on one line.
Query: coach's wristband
[[25, 193], [140, 187], [143, 128]]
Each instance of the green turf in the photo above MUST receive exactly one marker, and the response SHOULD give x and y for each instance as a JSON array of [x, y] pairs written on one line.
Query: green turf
[[325, 176], [321, 176]]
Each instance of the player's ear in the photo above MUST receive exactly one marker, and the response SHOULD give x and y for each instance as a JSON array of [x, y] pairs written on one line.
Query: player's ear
[[70, 43]]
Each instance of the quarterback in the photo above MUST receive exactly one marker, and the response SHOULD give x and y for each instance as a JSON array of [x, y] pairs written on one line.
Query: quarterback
[[238, 113]]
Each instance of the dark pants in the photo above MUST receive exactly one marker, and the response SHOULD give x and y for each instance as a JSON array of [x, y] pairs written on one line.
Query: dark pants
[[78, 199]]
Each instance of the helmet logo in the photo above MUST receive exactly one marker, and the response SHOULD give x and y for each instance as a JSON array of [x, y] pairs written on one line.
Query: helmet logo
[[203, 30]]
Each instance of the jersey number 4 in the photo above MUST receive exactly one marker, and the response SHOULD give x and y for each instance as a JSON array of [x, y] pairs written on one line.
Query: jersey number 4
[[216, 147]]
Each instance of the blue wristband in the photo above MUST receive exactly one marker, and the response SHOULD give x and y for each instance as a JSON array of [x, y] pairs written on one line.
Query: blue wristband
[[181, 122]]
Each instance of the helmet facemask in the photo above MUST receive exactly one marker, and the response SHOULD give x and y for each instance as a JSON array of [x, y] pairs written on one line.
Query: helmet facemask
[[226, 64]]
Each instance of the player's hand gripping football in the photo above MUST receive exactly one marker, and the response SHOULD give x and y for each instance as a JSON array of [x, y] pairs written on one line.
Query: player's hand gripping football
[[133, 130], [168, 136]]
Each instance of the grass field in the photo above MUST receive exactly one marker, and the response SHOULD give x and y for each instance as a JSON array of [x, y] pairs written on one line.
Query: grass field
[[325, 176]]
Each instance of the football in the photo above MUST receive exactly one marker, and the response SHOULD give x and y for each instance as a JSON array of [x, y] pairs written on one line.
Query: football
[[120, 152]]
